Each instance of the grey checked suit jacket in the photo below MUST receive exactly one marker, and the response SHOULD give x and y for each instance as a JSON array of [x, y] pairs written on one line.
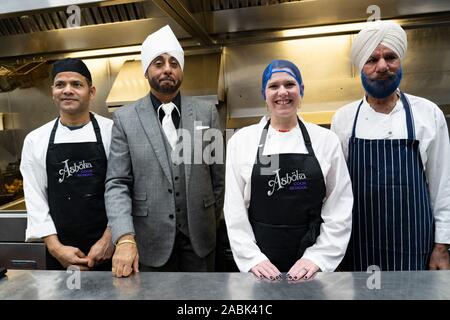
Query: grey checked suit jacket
[[139, 177]]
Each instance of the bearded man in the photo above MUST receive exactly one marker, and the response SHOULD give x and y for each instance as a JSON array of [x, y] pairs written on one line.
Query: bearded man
[[397, 150], [163, 214]]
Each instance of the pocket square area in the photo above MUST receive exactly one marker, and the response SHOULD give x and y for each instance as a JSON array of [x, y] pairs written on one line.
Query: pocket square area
[[201, 127]]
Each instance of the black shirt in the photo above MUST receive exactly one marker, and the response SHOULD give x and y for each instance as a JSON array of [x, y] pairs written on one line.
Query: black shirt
[[175, 115]]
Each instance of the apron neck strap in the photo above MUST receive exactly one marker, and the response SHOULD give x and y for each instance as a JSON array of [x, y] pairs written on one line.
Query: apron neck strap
[[356, 118], [408, 116], [52, 135], [306, 138], [96, 128]]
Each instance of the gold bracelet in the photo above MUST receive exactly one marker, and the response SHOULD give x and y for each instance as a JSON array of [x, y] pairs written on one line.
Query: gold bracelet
[[126, 241]]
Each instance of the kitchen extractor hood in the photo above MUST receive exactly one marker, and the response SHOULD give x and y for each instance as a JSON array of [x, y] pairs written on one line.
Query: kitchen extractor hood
[[130, 85], [23, 76], [201, 78], [36, 27]]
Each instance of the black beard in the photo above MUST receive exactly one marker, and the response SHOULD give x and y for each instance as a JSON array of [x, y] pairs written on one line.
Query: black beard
[[166, 89]]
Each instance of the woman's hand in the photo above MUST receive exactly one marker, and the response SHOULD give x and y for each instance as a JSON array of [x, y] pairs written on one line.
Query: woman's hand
[[266, 269], [303, 269]]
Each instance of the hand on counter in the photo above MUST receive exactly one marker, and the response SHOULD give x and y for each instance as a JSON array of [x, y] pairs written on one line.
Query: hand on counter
[[266, 269], [102, 250], [303, 269], [439, 259], [66, 255], [126, 258]]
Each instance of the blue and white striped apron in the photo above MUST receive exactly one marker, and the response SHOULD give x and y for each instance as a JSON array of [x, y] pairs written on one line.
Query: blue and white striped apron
[[393, 226]]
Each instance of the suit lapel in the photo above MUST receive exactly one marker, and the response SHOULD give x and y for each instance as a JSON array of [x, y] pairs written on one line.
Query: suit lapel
[[187, 121], [150, 123]]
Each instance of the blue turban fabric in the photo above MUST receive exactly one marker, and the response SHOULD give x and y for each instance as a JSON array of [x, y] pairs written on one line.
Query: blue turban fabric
[[274, 67]]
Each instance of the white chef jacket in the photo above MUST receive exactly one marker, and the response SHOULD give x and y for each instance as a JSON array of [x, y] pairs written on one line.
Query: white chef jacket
[[34, 172], [335, 230], [430, 129]]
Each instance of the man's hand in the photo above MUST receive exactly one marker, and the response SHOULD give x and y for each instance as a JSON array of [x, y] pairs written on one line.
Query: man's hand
[[66, 255], [303, 269], [439, 259], [102, 250], [266, 269], [126, 258]]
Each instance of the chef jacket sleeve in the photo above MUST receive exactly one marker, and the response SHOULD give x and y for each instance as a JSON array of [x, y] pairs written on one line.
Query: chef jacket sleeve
[[438, 176], [33, 170], [335, 230], [240, 233]]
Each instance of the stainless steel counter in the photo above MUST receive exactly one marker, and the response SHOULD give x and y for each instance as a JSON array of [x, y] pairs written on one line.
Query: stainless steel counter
[[24, 284]]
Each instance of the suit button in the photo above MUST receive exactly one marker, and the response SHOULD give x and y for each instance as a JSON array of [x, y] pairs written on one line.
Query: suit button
[[179, 225], [177, 194], [170, 190], [176, 178], [171, 216]]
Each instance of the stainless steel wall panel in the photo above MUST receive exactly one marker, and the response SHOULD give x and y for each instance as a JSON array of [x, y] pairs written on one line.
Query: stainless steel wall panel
[[326, 72], [318, 12], [330, 80]]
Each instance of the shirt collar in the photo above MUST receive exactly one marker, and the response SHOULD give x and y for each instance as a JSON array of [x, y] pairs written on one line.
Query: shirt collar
[[156, 103], [398, 105]]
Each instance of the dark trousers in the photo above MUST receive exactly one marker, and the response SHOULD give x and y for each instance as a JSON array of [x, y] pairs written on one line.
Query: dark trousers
[[184, 259]]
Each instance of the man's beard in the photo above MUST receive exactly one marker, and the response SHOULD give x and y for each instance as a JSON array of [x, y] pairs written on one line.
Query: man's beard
[[381, 89], [167, 88]]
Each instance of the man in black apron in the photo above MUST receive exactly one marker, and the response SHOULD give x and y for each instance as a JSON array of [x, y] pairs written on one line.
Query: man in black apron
[[76, 174], [393, 218]]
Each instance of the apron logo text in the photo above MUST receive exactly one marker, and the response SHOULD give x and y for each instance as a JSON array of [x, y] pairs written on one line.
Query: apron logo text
[[69, 171], [280, 182]]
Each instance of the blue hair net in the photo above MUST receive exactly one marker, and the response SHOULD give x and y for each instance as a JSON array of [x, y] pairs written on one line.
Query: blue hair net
[[281, 64]]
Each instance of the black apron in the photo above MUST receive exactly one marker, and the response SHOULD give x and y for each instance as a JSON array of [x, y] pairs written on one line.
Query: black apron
[[285, 206], [76, 175], [393, 225]]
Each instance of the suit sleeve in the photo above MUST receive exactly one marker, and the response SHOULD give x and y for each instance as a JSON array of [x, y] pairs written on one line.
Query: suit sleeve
[[119, 180], [217, 169], [246, 252]]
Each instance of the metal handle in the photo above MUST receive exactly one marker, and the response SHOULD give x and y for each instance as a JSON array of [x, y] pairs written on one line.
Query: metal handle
[[24, 264]]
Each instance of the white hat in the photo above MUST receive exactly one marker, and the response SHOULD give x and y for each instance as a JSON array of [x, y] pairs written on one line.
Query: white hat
[[382, 32], [159, 42]]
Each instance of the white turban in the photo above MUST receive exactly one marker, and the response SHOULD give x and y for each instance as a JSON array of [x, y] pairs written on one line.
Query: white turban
[[159, 42], [386, 33]]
